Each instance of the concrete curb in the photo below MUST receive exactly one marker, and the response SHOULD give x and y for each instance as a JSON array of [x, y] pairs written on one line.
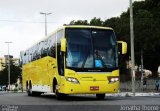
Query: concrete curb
[[130, 94]]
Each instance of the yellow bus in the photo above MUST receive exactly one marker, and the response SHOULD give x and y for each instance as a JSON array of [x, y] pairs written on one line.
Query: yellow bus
[[73, 60]]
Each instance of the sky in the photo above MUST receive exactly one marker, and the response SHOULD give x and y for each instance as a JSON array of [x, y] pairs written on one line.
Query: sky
[[22, 24]]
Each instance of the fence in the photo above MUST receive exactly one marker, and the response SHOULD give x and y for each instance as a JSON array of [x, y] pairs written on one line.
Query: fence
[[127, 86]]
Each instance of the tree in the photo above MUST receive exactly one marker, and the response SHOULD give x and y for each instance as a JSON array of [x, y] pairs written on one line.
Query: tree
[[146, 31], [96, 22], [79, 22], [15, 72]]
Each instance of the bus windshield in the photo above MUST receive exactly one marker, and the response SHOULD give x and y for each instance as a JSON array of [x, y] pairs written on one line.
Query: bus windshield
[[91, 48]]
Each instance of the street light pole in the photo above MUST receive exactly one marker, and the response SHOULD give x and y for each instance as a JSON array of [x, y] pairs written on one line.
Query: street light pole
[[45, 14], [8, 65], [132, 48]]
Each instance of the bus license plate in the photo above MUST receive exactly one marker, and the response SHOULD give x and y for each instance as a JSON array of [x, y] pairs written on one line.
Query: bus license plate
[[94, 88]]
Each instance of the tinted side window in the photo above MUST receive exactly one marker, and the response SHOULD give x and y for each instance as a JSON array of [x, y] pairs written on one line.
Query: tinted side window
[[60, 34], [52, 46]]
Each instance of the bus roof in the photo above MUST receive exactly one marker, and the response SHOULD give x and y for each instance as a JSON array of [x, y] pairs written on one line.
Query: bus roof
[[67, 26], [86, 26]]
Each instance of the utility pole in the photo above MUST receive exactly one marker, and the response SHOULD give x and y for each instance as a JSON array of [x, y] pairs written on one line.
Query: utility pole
[[132, 48], [45, 14], [8, 66]]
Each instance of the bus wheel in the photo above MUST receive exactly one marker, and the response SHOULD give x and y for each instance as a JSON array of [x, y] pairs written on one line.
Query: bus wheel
[[29, 90], [33, 93], [100, 96], [58, 95]]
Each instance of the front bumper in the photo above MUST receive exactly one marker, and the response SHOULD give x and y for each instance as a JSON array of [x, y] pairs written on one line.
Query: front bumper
[[89, 87]]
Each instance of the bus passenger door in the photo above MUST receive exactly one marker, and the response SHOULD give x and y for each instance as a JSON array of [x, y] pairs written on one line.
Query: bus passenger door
[[60, 61]]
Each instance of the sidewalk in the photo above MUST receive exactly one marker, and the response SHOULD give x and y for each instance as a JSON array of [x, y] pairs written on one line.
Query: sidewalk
[[11, 91], [130, 94]]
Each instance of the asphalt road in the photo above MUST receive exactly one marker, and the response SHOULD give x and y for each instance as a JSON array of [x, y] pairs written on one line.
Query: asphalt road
[[48, 102]]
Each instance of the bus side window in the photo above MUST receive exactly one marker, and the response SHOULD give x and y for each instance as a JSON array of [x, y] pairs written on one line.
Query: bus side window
[[44, 53], [52, 51], [52, 48]]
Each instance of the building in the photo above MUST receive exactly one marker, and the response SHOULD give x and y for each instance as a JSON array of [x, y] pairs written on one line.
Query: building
[[158, 71], [4, 60]]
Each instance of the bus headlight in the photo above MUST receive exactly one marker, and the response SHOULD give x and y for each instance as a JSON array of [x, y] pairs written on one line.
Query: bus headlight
[[113, 79], [73, 80]]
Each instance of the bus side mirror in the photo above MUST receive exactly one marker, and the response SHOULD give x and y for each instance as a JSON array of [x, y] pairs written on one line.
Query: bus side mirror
[[123, 47], [63, 44]]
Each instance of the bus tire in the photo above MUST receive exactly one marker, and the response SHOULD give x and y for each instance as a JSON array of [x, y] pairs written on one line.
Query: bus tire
[[29, 89], [59, 96], [29, 92], [100, 96], [33, 93]]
